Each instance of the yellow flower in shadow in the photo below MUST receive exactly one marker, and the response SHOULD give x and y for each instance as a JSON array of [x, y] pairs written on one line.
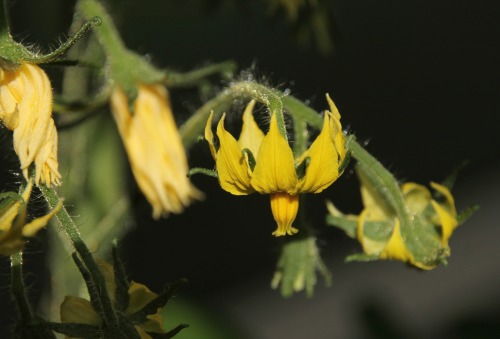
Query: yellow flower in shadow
[[154, 148], [265, 163], [80, 311], [14, 230], [26, 109]]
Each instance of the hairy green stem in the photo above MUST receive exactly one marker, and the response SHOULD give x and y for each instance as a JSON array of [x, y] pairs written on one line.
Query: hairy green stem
[[108, 35], [238, 91], [81, 248], [189, 79], [18, 288]]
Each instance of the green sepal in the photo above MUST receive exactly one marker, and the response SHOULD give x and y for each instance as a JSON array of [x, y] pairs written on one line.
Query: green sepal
[[250, 158], [122, 284], [302, 167], [92, 289], [76, 330], [170, 334], [464, 215], [347, 225], [205, 171], [297, 266], [9, 198], [362, 257]]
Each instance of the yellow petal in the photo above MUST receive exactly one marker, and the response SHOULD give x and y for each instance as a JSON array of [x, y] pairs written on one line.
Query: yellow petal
[[323, 168], [417, 197], [140, 295], [29, 230], [232, 167], [209, 135], [153, 323], [78, 310], [338, 135], [9, 214], [447, 221], [395, 249], [251, 135], [450, 202], [284, 207], [274, 170]]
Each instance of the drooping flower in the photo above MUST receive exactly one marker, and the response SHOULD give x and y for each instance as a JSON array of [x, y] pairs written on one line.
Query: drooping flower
[[154, 148], [26, 109], [378, 229], [14, 231], [266, 163]]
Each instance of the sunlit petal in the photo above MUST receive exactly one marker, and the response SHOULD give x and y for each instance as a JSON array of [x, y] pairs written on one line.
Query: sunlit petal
[[275, 170], [338, 136], [209, 135], [231, 164], [323, 166], [251, 135]]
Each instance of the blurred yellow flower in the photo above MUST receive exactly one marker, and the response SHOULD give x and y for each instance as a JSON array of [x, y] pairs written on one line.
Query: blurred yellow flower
[[80, 311], [274, 170], [421, 207], [13, 230], [154, 148], [26, 109]]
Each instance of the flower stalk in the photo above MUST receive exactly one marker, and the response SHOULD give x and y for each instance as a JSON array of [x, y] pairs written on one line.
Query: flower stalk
[[85, 256]]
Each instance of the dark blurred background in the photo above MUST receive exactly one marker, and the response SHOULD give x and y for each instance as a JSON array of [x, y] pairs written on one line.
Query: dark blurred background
[[419, 81]]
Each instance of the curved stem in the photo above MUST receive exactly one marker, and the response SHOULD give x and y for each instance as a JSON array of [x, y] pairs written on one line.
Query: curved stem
[[95, 21], [240, 90]]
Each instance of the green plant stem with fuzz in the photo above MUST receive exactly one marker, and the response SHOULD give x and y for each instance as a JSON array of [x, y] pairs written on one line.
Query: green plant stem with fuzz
[[68, 225], [243, 90], [193, 78], [19, 289]]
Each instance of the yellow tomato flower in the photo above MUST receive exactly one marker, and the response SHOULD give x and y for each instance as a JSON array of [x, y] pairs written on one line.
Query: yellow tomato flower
[[80, 311], [419, 203], [26, 109], [13, 230], [275, 169], [154, 148]]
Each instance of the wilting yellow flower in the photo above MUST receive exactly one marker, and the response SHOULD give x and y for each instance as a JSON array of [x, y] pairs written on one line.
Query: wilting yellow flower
[[154, 148], [421, 207], [80, 311], [26, 109], [275, 170], [13, 230]]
